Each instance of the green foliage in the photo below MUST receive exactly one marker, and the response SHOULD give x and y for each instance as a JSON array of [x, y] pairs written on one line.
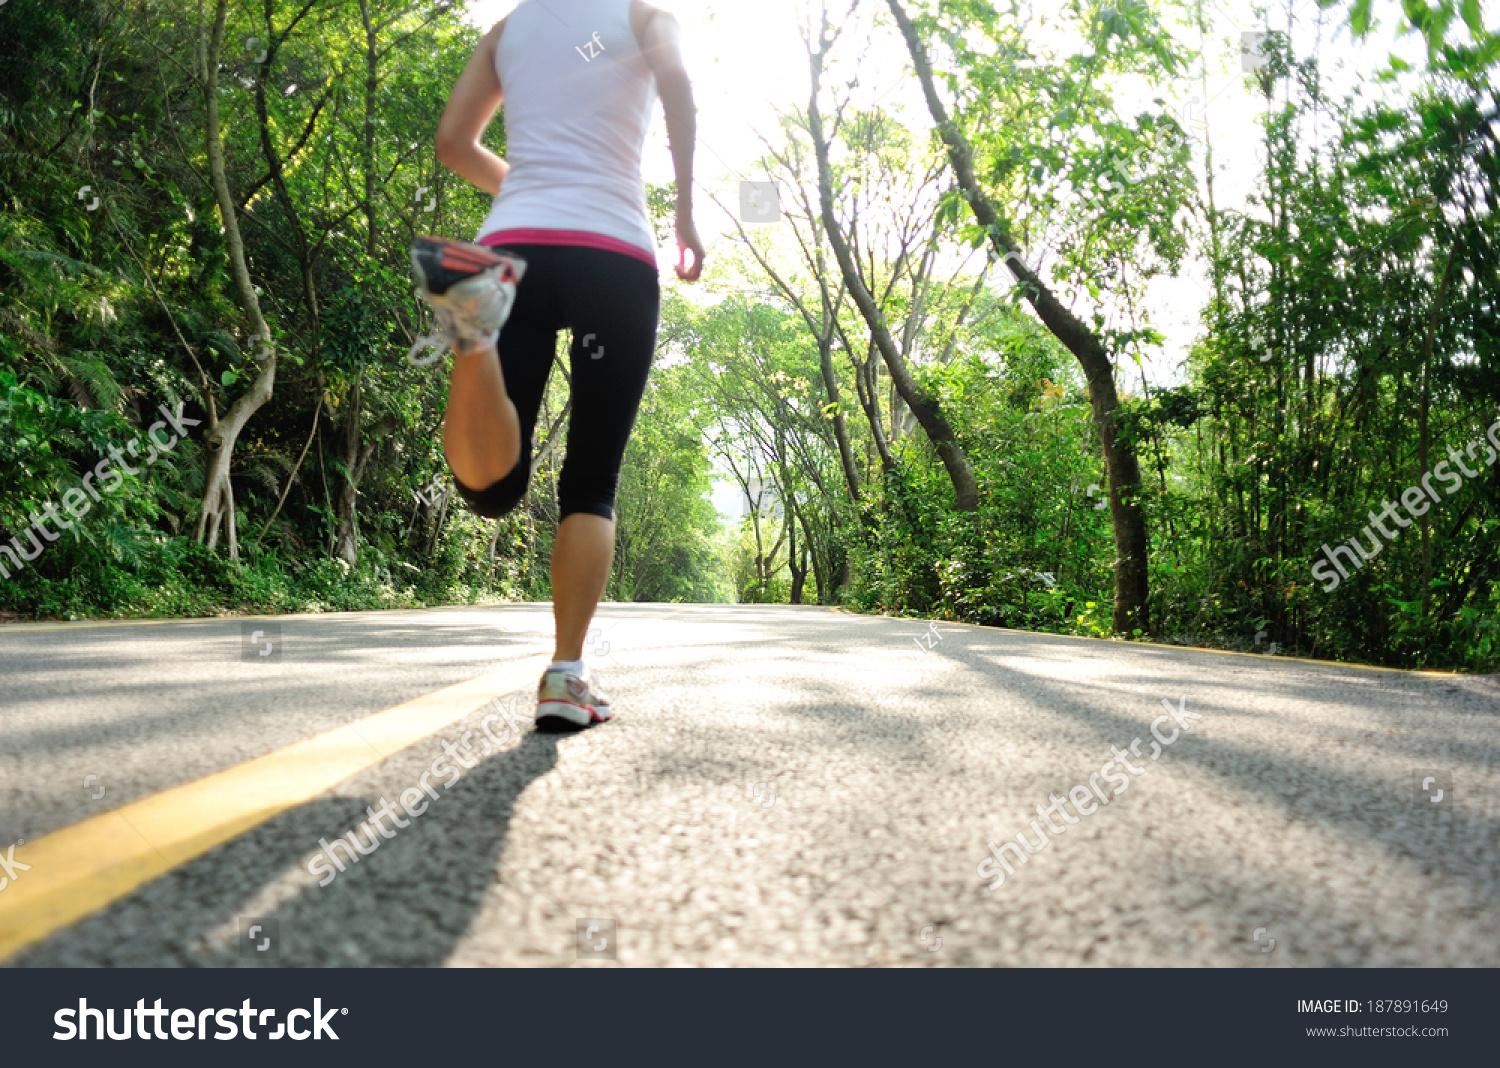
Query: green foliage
[[666, 525], [1349, 340], [1033, 552], [109, 310]]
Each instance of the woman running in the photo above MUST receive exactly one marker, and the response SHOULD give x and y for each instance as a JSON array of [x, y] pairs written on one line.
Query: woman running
[[567, 244]]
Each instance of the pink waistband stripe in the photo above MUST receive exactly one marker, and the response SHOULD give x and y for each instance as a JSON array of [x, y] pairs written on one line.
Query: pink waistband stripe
[[577, 238]]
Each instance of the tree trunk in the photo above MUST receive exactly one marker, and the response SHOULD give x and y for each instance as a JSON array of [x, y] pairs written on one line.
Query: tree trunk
[[442, 517], [216, 512], [303, 246], [793, 558], [807, 539], [840, 427], [356, 457], [495, 542], [1424, 459], [372, 85], [1131, 543], [318, 411], [554, 435], [869, 399], [926, 408]]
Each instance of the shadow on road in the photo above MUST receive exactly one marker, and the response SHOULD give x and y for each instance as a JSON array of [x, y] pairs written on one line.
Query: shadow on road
[[405, 904]]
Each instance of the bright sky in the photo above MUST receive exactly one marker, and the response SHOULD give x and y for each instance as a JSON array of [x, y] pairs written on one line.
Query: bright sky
[[747, 60]]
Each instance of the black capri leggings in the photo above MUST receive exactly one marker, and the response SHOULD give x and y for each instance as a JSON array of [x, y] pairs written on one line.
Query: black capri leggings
[[611, 302]]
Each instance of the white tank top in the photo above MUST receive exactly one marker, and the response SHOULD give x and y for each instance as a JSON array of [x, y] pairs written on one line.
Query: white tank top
[[578, 101]]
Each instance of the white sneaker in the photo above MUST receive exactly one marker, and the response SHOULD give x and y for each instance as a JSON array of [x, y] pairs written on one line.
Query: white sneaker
[[565, 697], [471, 288]]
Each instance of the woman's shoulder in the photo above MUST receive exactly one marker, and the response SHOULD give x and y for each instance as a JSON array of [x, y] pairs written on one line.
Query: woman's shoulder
[[642, 13]]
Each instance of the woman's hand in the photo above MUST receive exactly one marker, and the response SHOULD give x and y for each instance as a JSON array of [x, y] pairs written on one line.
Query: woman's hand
[[688, 241], [660, 38]]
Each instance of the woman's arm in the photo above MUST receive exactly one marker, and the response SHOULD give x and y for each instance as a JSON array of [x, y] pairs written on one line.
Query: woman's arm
[[660, 39], [471, 106]]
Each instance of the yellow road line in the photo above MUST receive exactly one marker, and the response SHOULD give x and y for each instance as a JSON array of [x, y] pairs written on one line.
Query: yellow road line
[[79, 869]]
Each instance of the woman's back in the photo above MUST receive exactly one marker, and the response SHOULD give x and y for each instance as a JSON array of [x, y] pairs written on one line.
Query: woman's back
[[570, 211], [578, 103]]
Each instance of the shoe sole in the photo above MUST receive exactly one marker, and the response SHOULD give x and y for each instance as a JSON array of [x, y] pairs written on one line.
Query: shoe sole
[[569, 713], [442, 303], [462, 261]]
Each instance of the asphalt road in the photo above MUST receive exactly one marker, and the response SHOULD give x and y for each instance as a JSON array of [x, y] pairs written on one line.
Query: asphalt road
[[782, 786]]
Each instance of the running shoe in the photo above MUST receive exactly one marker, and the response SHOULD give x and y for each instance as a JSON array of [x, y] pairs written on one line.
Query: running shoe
[[565, 699], [471, 288]]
